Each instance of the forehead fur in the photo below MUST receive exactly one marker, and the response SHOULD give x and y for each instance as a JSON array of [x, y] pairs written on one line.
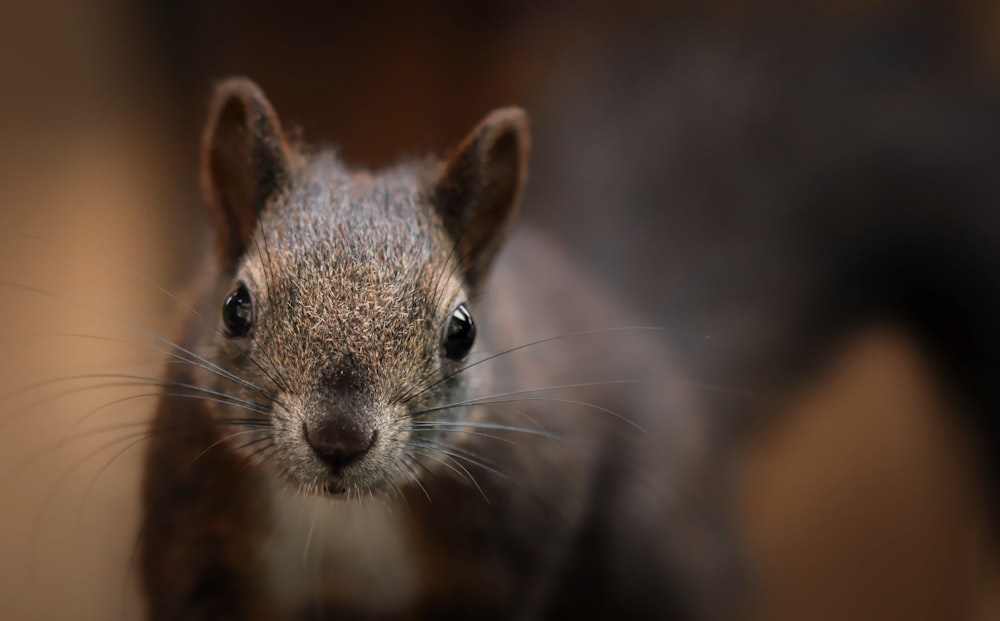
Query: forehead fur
[[356, 216]]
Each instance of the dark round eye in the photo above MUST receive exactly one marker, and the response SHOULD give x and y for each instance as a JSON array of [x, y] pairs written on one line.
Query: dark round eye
[[237, 312], [459, 335]]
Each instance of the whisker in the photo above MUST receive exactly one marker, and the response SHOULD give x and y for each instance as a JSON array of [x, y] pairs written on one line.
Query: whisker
[[527, 391], [13, 471], [491, 401], [458, 453], [208, 323], [223, 398], [435, 424], [172, 357], [477, 461], [132, 439], [440, 281], [145, 280], [398, 492], [550, 339], [226, 438], [418, 449], [135, 327], [199, 393], [309, 536], [416, 478], [594, 406], [69, 378], [260, 455], [97, 476], [465, 432]]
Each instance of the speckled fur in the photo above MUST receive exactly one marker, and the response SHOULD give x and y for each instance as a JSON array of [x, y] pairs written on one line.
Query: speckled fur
[[356, 279], [354, 276]]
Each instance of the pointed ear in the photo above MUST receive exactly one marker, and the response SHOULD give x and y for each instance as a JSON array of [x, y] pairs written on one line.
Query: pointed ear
[[245, 158], [480, 189]]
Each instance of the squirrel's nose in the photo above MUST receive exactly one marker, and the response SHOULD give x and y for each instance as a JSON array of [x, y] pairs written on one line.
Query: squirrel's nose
[[338, 445]]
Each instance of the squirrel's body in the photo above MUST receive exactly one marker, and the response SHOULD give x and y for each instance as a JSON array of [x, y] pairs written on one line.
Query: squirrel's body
[[322, 452]]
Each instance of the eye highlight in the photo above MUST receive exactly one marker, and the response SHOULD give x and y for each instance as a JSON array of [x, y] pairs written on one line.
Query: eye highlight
[[459, 334], [237, 312]]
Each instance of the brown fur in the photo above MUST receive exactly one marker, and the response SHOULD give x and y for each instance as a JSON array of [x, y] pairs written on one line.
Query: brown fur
[[354, 277]]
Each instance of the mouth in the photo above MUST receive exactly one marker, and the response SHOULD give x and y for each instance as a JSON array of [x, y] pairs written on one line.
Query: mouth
[[335, 488], [347, 487]]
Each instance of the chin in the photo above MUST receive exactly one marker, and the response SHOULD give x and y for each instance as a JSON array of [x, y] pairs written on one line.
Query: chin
[[319, 482]]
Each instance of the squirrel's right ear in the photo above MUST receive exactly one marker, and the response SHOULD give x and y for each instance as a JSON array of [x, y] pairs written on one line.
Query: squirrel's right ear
[[245, 158], [479, 190]]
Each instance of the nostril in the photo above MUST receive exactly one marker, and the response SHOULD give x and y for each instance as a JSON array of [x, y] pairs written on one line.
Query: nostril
[[338, 446]]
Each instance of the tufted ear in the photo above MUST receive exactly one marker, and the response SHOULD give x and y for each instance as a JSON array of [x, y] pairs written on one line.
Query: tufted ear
[[480, 190], [245, 158]]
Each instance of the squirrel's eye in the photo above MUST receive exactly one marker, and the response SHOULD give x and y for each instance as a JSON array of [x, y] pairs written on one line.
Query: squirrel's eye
[[237, 312], [459, 335]]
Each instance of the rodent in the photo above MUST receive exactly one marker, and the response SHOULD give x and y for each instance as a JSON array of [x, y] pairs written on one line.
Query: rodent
[[321, 451]]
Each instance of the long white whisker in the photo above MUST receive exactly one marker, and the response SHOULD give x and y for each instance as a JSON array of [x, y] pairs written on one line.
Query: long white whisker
[[410, 397], [135, 327]]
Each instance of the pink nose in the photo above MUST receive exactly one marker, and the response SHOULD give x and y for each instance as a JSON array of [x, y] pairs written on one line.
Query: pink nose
[[338, 445]]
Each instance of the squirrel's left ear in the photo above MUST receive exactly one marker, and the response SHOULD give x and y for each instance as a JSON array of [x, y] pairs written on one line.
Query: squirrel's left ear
[[245, 159], [480, 189]]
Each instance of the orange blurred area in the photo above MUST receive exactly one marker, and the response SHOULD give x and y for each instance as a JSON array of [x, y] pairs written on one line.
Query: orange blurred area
[[858, 482]]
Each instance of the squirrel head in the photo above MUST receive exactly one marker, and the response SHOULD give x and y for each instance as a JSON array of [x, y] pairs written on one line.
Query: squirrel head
[[345, 298]]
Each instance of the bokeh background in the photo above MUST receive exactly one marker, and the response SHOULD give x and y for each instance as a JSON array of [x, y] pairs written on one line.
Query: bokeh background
[[804, 195]]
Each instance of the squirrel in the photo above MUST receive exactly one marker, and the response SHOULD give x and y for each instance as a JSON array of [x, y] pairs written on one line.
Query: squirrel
[[391, 408]]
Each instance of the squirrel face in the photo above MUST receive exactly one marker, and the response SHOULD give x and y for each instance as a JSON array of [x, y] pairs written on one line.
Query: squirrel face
[[344, 301]]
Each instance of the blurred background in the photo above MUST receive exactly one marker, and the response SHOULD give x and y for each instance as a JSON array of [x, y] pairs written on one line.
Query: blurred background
[[803, 194]]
